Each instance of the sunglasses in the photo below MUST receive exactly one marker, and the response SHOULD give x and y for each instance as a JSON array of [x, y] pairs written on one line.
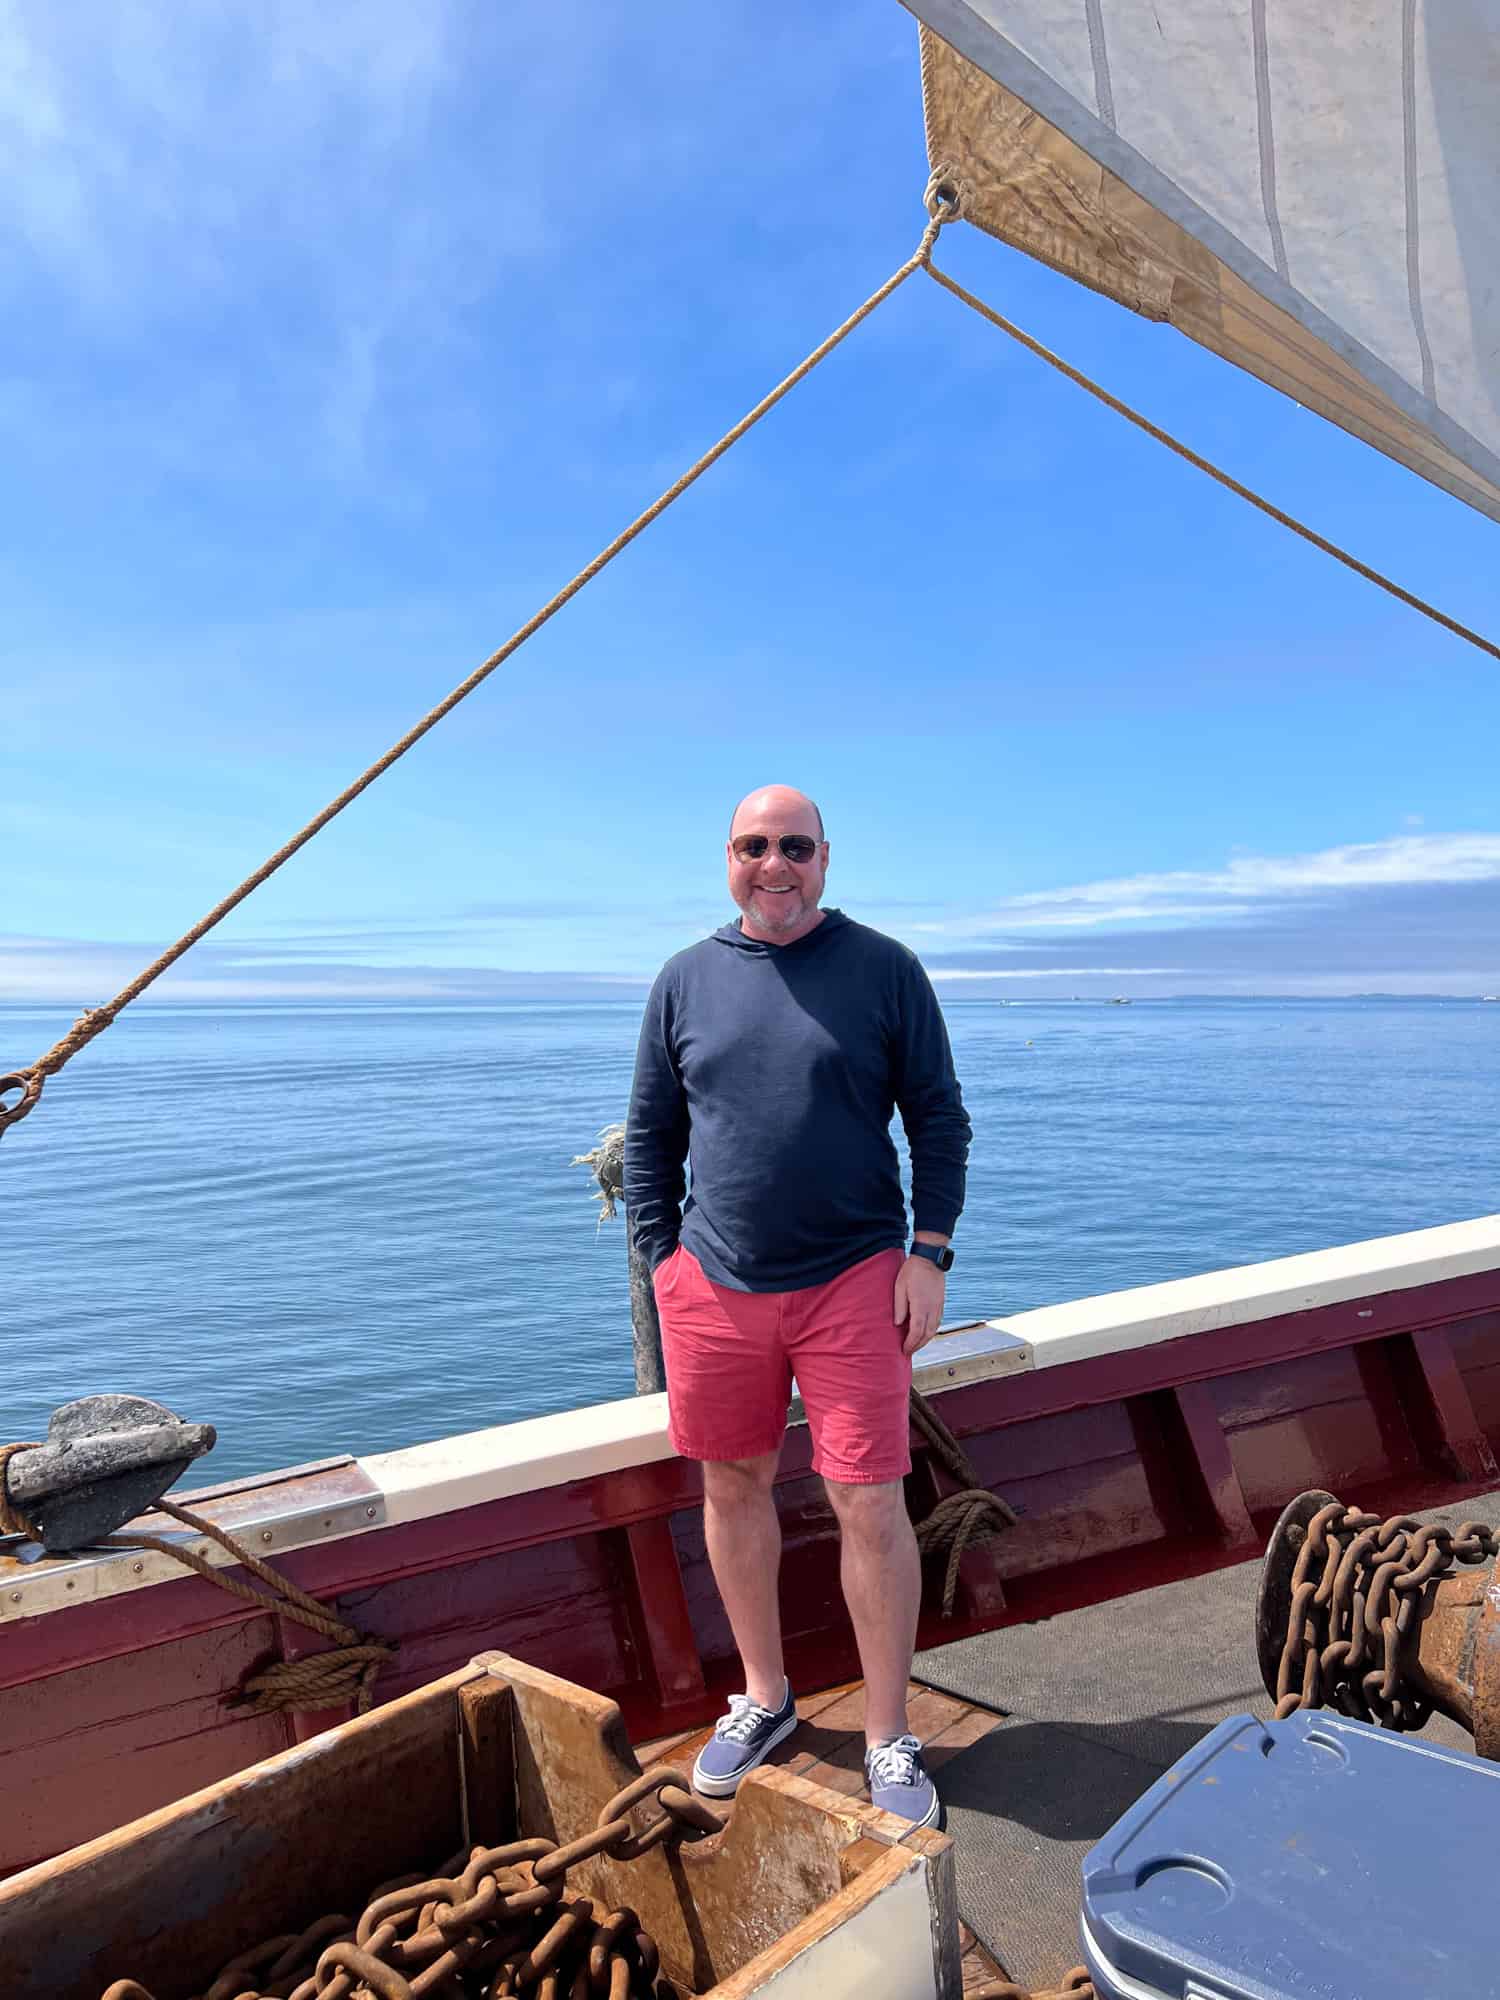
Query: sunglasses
[[798, 847]]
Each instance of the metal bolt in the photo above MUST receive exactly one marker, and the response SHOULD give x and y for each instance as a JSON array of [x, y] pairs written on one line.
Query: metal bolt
[[15, 1597], [328, 1520], [370, 1513], [139, 1569], [266, 1535], [69, 1584]]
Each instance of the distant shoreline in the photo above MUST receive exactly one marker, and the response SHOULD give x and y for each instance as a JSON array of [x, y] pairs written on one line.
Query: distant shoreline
[[404, 1004]]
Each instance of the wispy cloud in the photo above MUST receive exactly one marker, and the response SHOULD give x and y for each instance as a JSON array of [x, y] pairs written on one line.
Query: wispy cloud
[[1246, 886], [281, 180]]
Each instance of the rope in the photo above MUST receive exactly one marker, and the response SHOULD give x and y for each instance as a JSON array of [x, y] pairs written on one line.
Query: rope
[[1214, 472], [945, 199], [12, 1520], [941, 207], [941, 1442], [607, 1164], [324, 1680], [973, 1514]]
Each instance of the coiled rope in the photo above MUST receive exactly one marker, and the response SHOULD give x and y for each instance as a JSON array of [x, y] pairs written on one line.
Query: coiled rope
[[973, 1514]]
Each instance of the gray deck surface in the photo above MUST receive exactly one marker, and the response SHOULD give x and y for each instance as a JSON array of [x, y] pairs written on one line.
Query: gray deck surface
[[1098, 1703]]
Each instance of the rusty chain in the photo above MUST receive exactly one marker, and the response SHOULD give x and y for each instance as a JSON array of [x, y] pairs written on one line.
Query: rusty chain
[[1076, 1985], [1357, 1592], [492, 1923]]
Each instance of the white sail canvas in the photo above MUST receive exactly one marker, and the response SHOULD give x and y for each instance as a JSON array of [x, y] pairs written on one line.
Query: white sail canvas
[[1312, 189]]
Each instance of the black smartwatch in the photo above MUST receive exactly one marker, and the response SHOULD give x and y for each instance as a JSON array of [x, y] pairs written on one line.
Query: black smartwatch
[[939, 1254]]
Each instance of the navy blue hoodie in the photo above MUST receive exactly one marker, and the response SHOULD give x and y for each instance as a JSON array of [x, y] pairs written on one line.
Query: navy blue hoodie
[[773, 1072]]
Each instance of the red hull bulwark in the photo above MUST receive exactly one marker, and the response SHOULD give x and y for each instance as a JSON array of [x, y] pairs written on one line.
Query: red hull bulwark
[[1145, 1436]]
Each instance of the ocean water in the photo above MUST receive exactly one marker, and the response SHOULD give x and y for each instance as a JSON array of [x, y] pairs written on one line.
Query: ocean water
[[344, 1230]]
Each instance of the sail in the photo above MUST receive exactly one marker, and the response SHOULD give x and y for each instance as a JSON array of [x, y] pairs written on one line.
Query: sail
[[1312, 191]]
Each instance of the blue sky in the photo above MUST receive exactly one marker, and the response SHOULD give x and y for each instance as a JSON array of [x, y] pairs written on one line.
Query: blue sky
[[338, 337]]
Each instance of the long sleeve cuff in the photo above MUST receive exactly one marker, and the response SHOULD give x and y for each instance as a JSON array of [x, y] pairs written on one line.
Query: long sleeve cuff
[[941, 1221]]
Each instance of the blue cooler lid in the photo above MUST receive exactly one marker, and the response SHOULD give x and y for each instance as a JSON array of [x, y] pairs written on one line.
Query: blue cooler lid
[[1311, 1859]]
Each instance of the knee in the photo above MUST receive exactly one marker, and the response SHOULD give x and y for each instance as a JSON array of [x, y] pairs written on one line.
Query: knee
[[731, 1484], [870, 1516]]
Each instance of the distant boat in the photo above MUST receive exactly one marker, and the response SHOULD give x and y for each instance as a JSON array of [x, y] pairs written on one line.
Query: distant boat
[[1490, 996], [1119, 1001]]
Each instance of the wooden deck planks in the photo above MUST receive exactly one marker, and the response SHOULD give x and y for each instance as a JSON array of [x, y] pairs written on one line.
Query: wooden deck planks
[[828, 1745], [978, 1964]]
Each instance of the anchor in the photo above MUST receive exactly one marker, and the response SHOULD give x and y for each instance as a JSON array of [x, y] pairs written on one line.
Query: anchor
[[1374, 1618], [105, 1460]]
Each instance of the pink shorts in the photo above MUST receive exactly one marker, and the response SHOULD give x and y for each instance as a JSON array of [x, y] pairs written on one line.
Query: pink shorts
[[730, 1358]]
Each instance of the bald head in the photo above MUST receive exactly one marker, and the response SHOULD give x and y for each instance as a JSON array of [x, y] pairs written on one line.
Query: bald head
[[794, 811], [778, 859]]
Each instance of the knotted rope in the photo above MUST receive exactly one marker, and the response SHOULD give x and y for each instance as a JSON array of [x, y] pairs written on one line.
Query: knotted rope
[[322, 1680], [941, 207], [973, 1514]]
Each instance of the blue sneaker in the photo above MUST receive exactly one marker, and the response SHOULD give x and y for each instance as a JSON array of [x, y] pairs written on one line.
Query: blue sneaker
[[899, 1782], [741, 1739]]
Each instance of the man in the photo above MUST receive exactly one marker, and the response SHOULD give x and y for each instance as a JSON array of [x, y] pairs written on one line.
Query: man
[[771, 1058]]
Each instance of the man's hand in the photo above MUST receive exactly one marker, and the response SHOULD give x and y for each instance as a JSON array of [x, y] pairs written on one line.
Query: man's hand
[[920, 1289]]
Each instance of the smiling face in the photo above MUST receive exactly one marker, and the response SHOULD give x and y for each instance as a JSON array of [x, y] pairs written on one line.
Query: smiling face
[[777, 897]]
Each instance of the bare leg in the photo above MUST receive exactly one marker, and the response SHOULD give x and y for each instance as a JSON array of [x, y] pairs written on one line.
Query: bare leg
[[744, 1550], [882, 1580]]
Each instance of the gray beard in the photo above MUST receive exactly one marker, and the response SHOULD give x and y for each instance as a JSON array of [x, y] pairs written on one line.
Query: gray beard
[[797, 908]]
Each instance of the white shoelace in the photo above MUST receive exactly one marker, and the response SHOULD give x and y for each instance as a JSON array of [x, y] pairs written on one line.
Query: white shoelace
[[894, 1763], [744, 1718]]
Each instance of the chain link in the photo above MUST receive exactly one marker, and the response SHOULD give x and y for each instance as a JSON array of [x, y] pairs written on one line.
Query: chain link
[[492, 1923], [1356, 1605], [1076, 1985]]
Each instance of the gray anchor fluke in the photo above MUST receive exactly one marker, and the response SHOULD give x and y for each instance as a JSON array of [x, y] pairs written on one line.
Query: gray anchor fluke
[[105, 1460]]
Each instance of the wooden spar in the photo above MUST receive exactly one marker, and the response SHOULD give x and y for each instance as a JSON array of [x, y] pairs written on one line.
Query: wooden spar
[[1148, 1436]]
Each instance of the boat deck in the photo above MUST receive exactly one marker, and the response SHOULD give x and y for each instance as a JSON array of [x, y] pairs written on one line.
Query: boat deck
[[1041, 1735], [829, 1747]]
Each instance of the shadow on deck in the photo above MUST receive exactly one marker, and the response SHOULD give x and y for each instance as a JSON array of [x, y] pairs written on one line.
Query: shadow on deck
[[1041, 1735]]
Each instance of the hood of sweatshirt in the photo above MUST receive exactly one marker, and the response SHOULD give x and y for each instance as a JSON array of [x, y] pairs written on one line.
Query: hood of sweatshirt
[[734, 937]]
